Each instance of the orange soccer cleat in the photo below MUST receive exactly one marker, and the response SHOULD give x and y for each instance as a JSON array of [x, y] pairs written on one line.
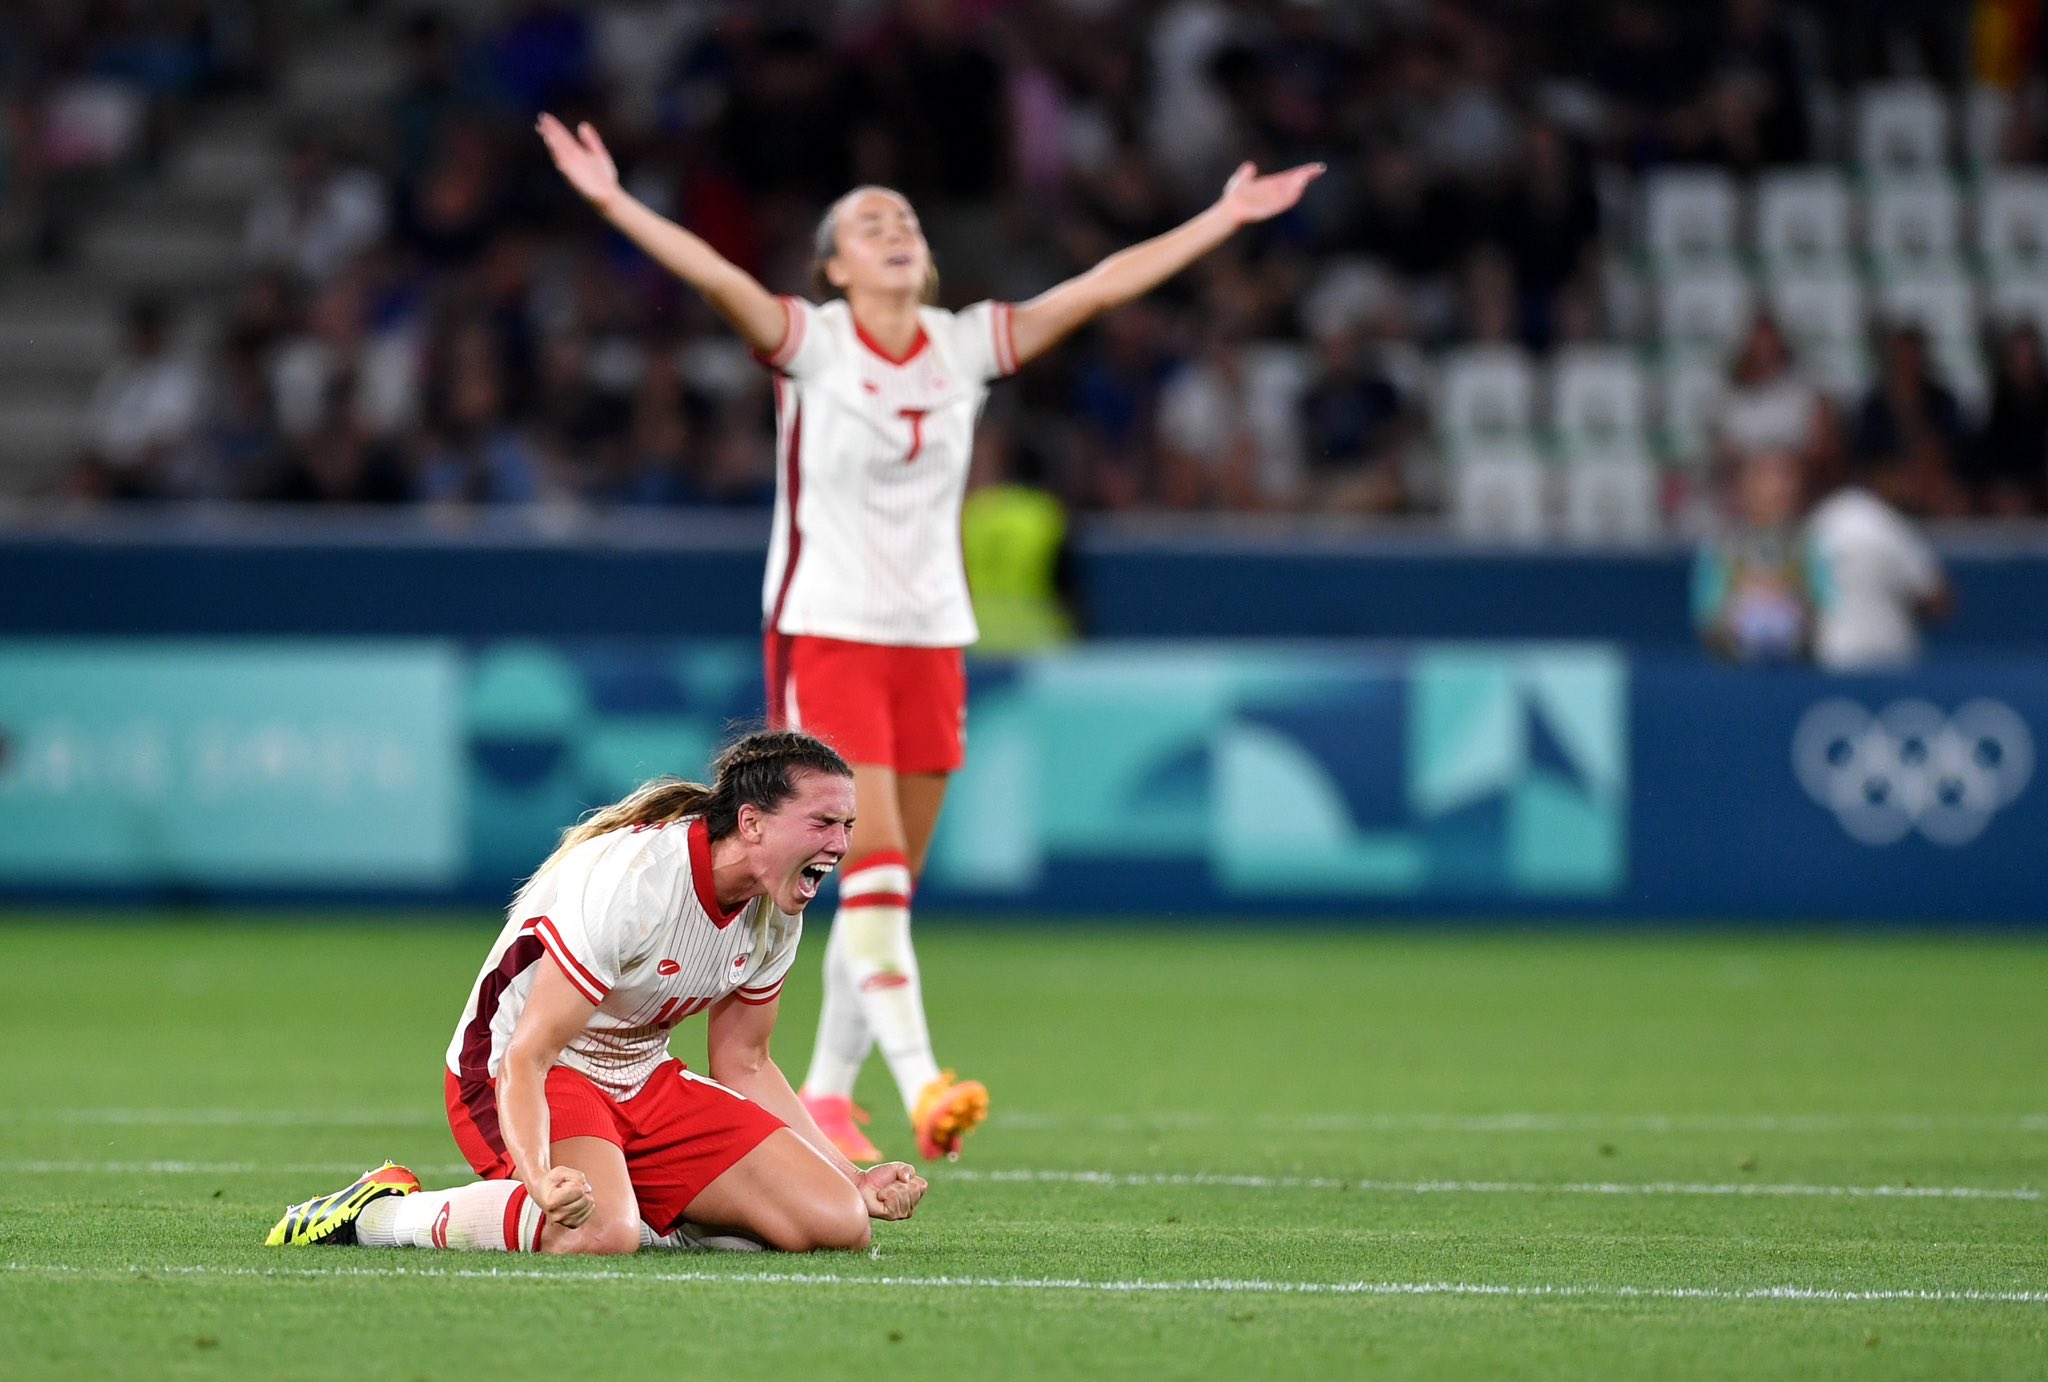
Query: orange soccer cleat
[[836, 1115], [948, 1110]]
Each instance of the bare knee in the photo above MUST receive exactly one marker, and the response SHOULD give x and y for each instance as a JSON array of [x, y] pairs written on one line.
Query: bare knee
[[608, 1239], [834, 1226]]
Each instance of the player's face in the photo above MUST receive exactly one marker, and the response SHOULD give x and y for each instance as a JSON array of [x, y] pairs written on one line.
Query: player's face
[[805, 839], [881, 247]]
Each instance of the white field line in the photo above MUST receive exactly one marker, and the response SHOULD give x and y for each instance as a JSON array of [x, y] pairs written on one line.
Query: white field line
[[1488, 1123], [1477, 1124], [1125, 1180], [1206, 1286], [1494, 1187]]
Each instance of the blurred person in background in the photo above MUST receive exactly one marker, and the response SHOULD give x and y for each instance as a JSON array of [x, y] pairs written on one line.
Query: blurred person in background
[[1356, 427], [1909, 430], [1878, 580], [1769, 405], [2008, 458], [866, 603], [1013, 544], [144, 411], [1754, 589]]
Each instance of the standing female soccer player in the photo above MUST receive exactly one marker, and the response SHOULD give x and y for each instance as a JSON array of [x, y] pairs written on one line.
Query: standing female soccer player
[[866, 603], [561, 1090]]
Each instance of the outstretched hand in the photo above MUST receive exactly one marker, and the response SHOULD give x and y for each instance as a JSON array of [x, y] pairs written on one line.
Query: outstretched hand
[[1251, 196], [891, 1190], [581, 157]]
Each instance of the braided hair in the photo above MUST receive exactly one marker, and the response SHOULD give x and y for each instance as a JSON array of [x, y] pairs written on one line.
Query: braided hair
[[758, 769]]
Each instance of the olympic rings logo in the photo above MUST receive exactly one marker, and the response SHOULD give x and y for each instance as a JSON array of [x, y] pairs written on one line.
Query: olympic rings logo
[[1910, 767]]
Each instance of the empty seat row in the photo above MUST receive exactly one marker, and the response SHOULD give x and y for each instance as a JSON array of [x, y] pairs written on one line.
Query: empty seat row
[[1811, 217]]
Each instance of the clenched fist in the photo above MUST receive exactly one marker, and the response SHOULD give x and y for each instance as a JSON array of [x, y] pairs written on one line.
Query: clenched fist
[[891, 1190], [564, 1195]]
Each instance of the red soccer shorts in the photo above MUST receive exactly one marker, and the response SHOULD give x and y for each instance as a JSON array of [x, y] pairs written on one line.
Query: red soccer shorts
[[679, 1133], [901, 708]]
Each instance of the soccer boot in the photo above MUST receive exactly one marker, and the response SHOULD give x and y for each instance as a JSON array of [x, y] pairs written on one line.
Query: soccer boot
[[332, 1218], [948, 1110], [836, 1115]]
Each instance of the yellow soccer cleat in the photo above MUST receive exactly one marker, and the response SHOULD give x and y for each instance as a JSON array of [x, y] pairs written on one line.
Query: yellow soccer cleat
[[836, 1116], [947, 1111], [332, 1218]]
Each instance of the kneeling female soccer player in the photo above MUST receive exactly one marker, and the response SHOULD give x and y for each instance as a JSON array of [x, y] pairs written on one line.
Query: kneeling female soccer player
[[561, 1092]]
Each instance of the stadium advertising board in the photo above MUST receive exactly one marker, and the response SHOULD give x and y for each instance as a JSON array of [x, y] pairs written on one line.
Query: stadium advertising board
[[210, 767], [1213, 779]]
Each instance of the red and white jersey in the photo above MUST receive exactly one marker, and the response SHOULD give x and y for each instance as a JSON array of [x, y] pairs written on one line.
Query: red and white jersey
[[872, 463], [631, 918]]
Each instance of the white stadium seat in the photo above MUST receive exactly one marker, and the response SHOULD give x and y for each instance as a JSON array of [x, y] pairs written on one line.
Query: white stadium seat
[[1497, 493], [1613, 497], [1914, 224], [1901, 126], [1986, 112], [2020, 300], [1486, 398], [2012, 223], [1600, 403], [1826, 320], [1803, 219], [1820, 311], [1692, 392], [1690, 217], [1704, 313]]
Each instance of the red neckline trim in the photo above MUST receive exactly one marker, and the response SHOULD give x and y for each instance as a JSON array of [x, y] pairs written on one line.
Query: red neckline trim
[[700, 876], [876, 346]]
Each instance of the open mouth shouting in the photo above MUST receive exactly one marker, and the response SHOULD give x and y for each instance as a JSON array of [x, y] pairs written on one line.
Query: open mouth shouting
[[812, 876]]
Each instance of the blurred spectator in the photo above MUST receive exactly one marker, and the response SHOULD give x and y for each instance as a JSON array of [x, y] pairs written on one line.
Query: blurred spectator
[[339, 465], [1754, 587], [2008, 459], [1549, 222], [1208, 454], [239, 433], [1770, 406], [318, 217], [1356, 427], [1878, 580], [145, 408], [1013, 541], [1909, 430], [1755, 111]]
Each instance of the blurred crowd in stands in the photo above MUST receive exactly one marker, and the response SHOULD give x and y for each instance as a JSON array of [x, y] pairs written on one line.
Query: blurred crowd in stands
[[429, 315]]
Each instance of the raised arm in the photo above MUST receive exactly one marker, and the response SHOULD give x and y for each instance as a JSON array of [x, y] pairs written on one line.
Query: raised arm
[[1052, 316], [732, 292]]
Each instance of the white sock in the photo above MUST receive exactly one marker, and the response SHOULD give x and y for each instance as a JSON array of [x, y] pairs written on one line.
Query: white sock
[[874, 916], [843, 1037], [689, 1237], [489, 1216]]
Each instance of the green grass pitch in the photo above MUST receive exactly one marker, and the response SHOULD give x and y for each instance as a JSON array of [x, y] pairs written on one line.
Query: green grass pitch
[[1215, 1153]]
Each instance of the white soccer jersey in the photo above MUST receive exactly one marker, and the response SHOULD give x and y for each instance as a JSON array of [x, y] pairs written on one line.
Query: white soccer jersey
[[872, 462], [632, 920]]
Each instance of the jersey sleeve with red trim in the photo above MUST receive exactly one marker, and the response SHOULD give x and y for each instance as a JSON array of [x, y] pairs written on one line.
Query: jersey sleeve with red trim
[[806, 347], [784, 935], [983, 341], [606, 905]]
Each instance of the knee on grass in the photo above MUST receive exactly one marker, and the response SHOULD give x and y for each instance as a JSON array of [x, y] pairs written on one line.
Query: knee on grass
[[595, 1240], [835, 1226]]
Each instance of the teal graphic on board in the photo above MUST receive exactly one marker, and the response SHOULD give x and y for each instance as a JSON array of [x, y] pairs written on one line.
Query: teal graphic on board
[[1449, 771], [173, 765]]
